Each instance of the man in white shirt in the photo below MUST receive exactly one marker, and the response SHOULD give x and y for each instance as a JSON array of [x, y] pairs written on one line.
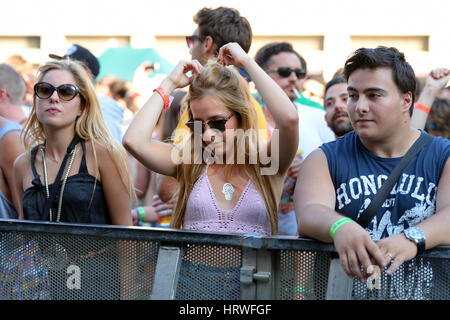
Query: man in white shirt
[[285, 66]]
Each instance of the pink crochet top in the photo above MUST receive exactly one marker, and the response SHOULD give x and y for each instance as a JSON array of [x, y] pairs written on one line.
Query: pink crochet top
[[249, 215]]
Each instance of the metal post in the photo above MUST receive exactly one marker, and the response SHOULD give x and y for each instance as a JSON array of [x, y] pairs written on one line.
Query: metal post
[[248, 286], [339, 284], [265, 286], [166, 274], [257, 274]]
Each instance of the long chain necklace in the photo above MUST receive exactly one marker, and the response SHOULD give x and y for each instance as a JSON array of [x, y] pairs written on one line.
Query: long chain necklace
[[58, 215]]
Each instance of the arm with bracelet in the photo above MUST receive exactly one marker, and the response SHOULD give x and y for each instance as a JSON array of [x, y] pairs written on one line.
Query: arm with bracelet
[[156, 155], [314, 201], [436, 80]]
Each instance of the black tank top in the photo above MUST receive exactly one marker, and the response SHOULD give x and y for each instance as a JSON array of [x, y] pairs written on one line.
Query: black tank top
[[81, 203]]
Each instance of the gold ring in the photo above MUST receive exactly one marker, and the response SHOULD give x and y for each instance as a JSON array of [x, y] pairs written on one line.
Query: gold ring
[[390, 256]]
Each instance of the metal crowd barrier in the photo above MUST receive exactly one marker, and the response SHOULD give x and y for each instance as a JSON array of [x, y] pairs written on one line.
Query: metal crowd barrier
[[59, 261]]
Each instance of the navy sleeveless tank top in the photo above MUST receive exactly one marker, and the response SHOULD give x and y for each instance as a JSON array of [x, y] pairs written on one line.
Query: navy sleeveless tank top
[[83, 200], [357, 175]]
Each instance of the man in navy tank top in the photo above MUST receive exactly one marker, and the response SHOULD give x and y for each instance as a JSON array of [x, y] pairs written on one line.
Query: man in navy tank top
[[338, 181]]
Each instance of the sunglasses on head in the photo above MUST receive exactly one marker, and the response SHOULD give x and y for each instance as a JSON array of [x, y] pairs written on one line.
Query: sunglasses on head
[[65, 92], [190, 39], [285, 72], [212, 124]]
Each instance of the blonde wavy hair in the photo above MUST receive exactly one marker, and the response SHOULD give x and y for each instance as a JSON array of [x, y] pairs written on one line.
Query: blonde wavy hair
[[226, 85], [90, 125]]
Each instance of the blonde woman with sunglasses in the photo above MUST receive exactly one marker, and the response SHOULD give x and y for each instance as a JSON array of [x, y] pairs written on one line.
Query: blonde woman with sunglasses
[[65, 106], [73, 170], [218, 193]]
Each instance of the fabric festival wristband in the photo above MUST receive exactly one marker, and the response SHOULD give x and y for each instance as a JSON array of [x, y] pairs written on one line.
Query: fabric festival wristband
[[337, 225], [422, 107], [141, 212], [164, 96]]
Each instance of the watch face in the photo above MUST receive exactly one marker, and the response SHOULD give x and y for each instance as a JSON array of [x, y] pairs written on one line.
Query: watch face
[[414, 234]]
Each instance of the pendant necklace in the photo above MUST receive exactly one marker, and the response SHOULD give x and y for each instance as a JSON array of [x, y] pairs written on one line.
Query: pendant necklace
[[228, 191]]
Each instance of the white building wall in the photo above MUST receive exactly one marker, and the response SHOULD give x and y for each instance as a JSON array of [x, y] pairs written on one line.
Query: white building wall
[[143, 22]]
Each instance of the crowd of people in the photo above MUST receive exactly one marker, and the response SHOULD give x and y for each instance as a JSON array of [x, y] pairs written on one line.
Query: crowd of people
[[232, 143]]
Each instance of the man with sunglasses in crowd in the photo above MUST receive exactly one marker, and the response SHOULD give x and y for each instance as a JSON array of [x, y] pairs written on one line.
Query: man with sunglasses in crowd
[[286, 67], [215, 28]]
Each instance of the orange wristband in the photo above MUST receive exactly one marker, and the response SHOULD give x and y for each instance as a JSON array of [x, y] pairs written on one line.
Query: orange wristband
[[422, 107], [164, 96], [158, 217]]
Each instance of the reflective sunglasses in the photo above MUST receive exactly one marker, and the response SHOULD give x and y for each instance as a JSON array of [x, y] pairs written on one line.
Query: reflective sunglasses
[[285, 72], [212, 124], [190, 39], [65, 92]]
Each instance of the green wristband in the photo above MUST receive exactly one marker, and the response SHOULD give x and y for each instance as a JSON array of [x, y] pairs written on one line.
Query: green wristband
[[298, 289], [337, 225], [141, 212]]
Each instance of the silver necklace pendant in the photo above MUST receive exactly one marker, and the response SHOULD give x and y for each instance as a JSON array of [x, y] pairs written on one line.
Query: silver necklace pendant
[[228, 191]]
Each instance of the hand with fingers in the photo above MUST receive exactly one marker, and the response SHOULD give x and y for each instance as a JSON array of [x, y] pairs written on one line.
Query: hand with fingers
[[233, 54], [163, 208], [396, 250], [438, 78], [179, 78], [355, 248]]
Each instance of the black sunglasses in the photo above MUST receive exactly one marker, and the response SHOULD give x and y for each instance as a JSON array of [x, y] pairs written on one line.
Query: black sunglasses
[[65, 92], [285, 72], [213, 124], [190, 39]]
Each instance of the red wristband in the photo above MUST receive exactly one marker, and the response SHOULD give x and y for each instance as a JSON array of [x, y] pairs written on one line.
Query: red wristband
[[164, 96], [422, 107]]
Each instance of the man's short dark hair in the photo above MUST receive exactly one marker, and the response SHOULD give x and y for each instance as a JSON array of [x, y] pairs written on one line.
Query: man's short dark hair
[[402, 72], [332, 82], [264, 54], [224, 25]]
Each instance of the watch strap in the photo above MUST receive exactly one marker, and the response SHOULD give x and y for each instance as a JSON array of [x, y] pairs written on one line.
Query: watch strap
[[420, 246]]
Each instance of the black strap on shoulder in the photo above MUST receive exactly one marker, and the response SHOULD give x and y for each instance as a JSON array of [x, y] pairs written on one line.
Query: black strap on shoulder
[[33, 159], [83, 165], [57, 183], [383, 193]]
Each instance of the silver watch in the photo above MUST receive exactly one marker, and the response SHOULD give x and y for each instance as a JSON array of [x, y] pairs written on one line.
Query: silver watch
[[417, 236]]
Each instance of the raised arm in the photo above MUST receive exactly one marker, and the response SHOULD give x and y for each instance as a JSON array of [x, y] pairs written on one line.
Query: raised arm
[[156, 155], [281, 108], [436, 80], [314, 201]]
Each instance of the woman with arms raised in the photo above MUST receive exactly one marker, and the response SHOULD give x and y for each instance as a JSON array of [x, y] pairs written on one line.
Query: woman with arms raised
[[220, 195]]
